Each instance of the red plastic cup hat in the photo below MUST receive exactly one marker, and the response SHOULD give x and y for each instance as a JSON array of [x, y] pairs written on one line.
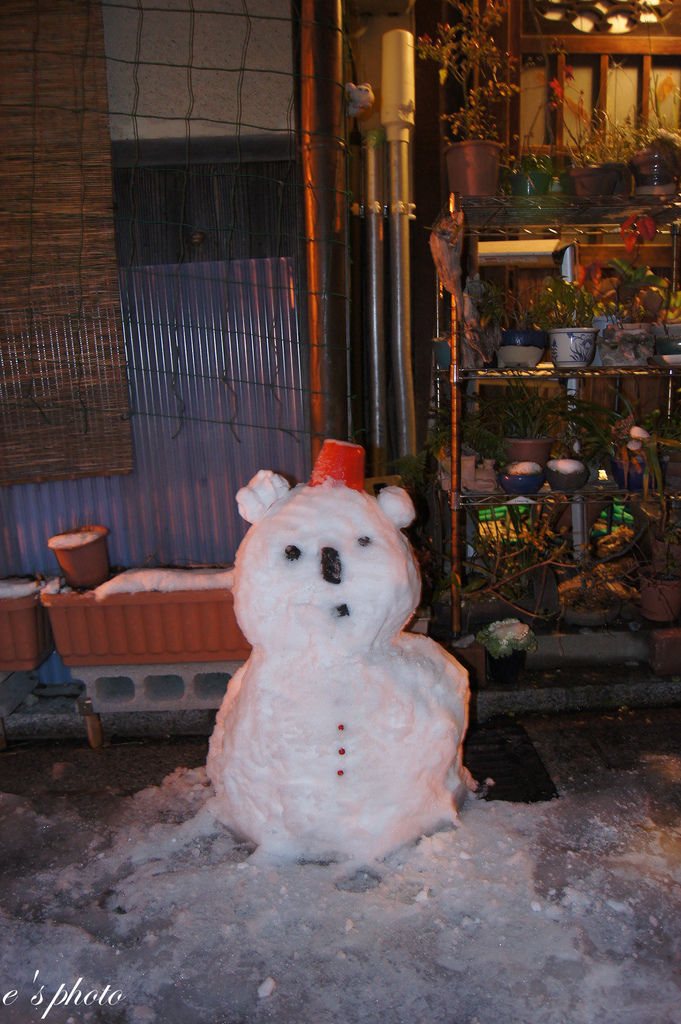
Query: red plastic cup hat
[[339, 463]]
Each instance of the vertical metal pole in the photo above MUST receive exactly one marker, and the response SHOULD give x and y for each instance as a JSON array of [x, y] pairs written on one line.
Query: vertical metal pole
[[458, 534], [375, 322], [400, 265], [324, 184], [397, 116]]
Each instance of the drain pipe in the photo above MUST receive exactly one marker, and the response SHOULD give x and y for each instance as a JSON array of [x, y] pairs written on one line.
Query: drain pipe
[[397, 116], [324, 189], [375, 319]]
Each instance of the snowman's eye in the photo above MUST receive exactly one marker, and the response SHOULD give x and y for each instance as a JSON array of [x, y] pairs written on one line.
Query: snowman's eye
[[292, 553], [364, 541]]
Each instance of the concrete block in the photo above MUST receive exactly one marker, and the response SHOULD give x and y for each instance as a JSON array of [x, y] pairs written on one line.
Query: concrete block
[[665, 651], [165, 687]]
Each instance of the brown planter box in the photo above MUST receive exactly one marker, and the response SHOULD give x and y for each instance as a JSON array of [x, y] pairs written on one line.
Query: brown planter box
[[148, 627], [25, 637]]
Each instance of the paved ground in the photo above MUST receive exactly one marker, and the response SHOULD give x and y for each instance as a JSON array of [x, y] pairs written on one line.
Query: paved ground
[[577, 749]]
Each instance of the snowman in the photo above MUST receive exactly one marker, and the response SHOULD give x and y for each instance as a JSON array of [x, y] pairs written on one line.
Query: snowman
[[340, 737]]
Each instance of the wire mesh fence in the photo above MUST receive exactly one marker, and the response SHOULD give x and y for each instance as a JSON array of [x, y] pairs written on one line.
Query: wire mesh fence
[[207, 200]]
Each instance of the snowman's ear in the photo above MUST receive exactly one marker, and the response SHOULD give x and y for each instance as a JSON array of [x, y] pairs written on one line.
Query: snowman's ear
[[260, 494], [397, 505]]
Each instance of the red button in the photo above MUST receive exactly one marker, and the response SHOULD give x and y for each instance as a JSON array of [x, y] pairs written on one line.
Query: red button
[[341, 750], [341, 727], [340, 772]]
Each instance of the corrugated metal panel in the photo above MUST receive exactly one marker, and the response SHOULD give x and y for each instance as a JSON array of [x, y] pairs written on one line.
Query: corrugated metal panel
[[218, 391]]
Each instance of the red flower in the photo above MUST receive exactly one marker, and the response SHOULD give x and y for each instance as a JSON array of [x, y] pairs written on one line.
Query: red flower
[[569, 74], [556, 88]]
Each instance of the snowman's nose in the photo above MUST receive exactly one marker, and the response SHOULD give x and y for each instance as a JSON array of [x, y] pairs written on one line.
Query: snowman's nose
[[331, 565]]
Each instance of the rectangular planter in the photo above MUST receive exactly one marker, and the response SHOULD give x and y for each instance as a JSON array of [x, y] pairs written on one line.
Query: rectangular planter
[[146, 627], [25, 637]]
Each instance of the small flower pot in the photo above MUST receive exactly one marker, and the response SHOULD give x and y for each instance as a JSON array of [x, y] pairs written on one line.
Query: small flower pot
[[528, 449], [82, 555], [629, 475], [505, 671], [25, 637], [473, 167], [600, 179], [655, 171], [573, 347], [525, 184]]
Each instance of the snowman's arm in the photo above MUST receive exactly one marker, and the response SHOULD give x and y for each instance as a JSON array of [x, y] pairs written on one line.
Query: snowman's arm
[[449, 688], [449, 684]]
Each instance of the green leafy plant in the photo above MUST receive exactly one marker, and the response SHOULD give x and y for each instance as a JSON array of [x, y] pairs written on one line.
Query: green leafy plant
[[519, 410], [560, 303], [503, 637], [466, 53]]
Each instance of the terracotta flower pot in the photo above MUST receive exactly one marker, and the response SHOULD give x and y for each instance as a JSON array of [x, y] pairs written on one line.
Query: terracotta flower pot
[[145, 627], [82, 555], [600, 179], [473, 167], [529, 449], [25, 637], [660, 598]]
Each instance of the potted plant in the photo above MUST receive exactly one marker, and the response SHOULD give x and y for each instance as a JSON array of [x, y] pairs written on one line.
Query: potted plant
[[506, 643], [598, 147], [520, 331], [467, 54], [525, 419], [566, 311], [531, 174]]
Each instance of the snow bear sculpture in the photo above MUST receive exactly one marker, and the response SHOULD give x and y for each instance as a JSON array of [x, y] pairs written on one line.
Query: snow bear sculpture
[[340, 737]]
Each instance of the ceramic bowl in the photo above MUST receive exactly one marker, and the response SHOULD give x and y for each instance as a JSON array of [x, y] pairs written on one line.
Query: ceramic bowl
[[520, 356], [566, 474], [520, 483], [523, 338]]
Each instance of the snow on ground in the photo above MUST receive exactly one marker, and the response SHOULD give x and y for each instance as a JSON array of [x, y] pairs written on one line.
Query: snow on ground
[[565, 912]]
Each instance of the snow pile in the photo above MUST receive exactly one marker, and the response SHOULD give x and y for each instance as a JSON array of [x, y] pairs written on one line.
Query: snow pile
[[531, 914], [135, 581], [15, 586]]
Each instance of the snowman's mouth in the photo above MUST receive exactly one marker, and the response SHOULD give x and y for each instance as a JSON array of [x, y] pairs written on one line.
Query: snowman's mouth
[[341, 610]]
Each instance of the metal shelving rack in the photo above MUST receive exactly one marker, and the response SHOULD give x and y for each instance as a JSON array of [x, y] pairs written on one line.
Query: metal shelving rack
[[500, 217]]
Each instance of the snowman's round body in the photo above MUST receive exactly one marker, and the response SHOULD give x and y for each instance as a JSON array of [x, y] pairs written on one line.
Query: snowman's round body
[[341, 735]]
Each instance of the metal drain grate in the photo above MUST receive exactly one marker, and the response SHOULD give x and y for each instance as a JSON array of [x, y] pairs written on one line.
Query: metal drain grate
[[504, 753]]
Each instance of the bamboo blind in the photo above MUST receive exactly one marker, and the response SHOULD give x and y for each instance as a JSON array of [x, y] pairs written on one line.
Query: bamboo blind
[[63, 390]]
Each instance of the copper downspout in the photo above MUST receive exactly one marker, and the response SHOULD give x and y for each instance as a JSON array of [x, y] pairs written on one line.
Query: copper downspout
[[324, 189]]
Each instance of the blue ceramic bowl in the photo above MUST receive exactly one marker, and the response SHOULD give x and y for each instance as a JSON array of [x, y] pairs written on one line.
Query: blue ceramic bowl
[[535, 339], [665, 346], [515, 483]]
